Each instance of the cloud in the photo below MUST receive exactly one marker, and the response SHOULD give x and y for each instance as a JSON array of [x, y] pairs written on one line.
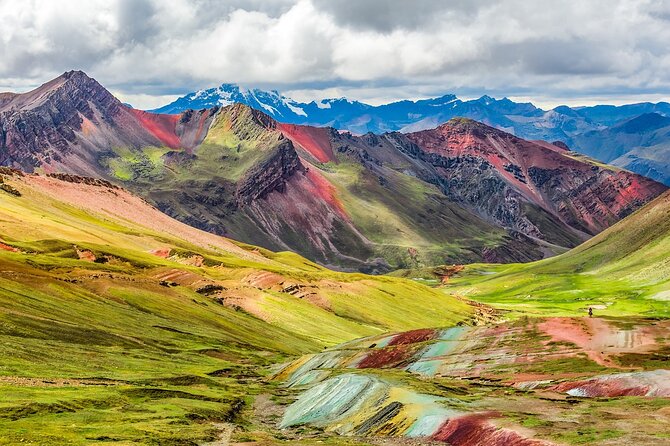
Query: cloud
[[373, 49], [389, 15]]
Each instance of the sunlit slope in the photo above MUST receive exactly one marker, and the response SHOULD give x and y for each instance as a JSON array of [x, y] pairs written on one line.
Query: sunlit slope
[[623, 270], [64, 228], [119, 324]]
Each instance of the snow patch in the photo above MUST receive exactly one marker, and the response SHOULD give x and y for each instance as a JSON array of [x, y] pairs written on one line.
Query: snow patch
[[268, 108], [294, 109], [577, 392], [323, 103]]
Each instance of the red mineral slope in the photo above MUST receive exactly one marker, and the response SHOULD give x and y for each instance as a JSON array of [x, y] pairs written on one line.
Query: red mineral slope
[[475, 430], [655, 383], [320, 187], [414, 336], [390, 357], [581, 193], [314, 140], [162, 127]]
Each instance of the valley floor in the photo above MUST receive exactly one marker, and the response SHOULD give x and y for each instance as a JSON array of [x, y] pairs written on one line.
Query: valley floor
[[531, 381]]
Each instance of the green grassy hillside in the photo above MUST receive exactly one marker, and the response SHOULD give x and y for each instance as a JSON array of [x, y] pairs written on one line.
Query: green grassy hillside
[[120, 325], [622, 271]]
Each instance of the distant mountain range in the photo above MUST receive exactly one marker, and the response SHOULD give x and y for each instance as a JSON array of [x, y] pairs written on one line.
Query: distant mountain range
[[640, 144], [580, 128]]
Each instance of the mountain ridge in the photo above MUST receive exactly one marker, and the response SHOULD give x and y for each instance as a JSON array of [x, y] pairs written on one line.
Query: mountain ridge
[[572, 126], [369, 202], [641, 144], [523, 119]]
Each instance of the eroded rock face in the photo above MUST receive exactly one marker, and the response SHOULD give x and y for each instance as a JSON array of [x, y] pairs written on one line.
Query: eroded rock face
[[520, 183], [269, 176], [41, 126]]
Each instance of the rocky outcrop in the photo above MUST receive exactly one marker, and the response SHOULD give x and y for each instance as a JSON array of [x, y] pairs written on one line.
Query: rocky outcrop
[[77, 179], [271, 175]]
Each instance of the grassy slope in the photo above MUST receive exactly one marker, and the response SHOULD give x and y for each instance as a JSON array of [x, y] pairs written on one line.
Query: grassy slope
[[66, 318], [234, 137], [408, 213], [625, 268]]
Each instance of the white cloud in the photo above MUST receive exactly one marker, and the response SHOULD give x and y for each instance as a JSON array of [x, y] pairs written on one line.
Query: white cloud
[[145, 101], [373, 50]]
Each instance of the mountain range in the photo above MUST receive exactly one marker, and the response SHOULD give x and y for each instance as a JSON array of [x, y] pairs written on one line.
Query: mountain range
[[461, 192], [574, 126], [640, 144]]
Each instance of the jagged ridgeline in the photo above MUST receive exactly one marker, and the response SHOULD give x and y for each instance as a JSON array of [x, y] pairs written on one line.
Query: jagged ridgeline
[[462, 192]]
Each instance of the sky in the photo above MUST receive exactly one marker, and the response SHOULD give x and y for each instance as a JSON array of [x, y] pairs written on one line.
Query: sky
[[148, 52]]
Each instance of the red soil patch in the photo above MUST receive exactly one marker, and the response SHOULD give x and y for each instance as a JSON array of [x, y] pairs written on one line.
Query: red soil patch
[[598, 338], [263, 279], [325, 191], [630, 189], [161, 252], [445, 272], [609, 388], [414, 336], [8, 248], [475, 430], [393, 357], [654, 383], [161, 126], [314, 140], [86, 255]]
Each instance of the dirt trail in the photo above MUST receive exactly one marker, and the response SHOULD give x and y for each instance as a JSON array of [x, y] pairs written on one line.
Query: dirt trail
[[225, 432]]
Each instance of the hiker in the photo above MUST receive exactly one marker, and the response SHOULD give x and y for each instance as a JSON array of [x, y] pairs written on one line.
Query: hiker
[[590, 312]]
